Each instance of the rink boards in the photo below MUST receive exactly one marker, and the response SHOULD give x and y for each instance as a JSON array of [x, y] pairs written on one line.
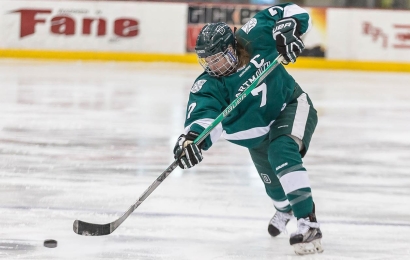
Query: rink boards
[[151, 31]]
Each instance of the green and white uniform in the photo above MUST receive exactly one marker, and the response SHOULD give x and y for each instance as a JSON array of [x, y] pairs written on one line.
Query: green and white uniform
[[263, 120]]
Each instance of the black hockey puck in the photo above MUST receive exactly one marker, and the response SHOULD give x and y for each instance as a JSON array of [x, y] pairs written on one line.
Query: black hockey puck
[[50, 243]]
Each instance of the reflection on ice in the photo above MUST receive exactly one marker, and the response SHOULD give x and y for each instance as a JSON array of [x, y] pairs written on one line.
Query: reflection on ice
[[84, 141]]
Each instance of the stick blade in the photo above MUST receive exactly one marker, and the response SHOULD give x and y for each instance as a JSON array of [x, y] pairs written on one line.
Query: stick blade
[[90, 229]]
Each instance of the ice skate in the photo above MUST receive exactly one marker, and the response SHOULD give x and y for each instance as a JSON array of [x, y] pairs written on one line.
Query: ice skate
[[307, 238], [278, 223]]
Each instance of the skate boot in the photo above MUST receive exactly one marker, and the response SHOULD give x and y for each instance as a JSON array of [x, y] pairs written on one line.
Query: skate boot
[[307, 238], [278, 223]]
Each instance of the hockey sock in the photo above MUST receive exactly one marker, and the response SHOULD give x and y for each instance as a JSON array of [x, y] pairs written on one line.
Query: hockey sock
[[280, 200], [272, 184], [287, 163]]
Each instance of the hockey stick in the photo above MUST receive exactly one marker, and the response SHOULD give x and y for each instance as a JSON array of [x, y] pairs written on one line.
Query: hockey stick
[[91, 229]]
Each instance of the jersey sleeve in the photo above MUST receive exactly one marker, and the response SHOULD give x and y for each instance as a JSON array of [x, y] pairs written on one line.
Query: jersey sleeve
[[294, 11], [206, 102], [257, 34]]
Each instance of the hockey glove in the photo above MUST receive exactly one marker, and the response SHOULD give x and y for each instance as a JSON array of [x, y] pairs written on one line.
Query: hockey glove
[[189, 154], [288, 42]]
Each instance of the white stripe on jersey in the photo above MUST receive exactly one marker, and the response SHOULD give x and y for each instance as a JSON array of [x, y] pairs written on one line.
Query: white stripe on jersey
[[248, 134], [301, 116], [293, 9], [205, 122]]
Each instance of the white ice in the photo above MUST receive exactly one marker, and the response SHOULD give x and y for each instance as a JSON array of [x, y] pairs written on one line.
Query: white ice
[[84, 141]]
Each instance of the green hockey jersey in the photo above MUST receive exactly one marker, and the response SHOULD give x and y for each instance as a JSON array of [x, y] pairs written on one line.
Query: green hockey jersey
[[249, 123]]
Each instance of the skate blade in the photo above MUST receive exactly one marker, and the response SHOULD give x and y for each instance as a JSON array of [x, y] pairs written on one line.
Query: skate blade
[[312, 247]]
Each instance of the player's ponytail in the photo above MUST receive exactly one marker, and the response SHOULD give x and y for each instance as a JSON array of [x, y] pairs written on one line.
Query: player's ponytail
[[243, 55]]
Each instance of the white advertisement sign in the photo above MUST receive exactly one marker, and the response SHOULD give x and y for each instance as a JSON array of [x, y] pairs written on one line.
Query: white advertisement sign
[[93, 26], [368, 35]]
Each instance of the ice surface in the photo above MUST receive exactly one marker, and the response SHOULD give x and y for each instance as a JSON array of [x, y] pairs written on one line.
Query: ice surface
[[84, 141]]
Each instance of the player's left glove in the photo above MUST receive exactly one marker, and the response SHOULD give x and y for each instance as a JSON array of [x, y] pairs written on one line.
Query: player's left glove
[[287, 36], [187, 151]]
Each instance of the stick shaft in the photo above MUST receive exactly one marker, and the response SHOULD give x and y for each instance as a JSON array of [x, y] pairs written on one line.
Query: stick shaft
[[84, 228], [144, 195], [205, 133]]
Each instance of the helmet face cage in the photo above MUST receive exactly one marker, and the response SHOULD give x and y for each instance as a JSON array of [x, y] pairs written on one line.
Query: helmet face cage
[[215, 48], [220, 64]]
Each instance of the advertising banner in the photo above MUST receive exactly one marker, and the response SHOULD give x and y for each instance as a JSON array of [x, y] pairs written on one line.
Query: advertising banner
[[237, 15], [120, 27], [369, 35], [199, 15], [95, 26]]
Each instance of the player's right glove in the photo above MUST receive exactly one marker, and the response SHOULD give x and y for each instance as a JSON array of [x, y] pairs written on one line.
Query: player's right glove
[[287, 36], [187, 151]]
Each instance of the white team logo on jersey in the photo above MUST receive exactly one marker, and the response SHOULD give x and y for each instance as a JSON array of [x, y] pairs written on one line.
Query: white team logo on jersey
[[249, 25], [265, 178], [198, 85]]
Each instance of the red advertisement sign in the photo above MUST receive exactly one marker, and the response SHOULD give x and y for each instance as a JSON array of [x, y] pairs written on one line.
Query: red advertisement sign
[[401, 39], [65, 24]]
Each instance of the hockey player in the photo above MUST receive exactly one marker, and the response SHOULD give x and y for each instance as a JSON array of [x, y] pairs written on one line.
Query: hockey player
[[275, 123]]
